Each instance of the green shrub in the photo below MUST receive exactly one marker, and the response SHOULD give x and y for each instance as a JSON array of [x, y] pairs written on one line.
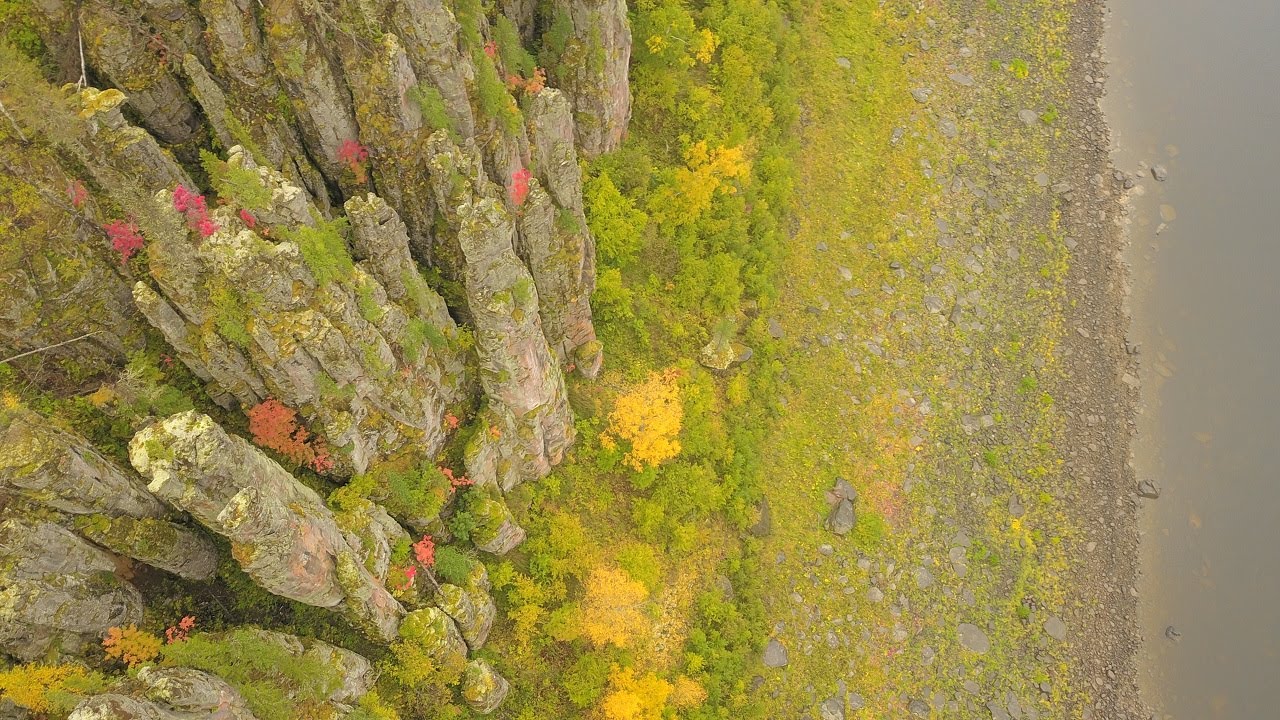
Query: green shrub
[[324, 249], [276, 684]]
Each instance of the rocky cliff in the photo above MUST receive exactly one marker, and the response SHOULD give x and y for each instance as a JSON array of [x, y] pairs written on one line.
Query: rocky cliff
[[367, 216]]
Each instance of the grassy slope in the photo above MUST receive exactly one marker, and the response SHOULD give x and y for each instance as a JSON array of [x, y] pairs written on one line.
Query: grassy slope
[[939, 419], [855, 406]]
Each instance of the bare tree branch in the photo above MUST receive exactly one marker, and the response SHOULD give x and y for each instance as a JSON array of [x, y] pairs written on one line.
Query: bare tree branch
[[49, 347], [5, 110]]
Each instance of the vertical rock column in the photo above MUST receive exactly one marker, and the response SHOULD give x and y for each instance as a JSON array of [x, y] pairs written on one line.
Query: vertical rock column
[[591, 67], [554, 240], [528, 421]]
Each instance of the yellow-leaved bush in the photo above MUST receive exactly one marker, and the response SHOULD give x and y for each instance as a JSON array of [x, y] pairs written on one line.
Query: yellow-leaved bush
[[635, 698], [613, 611], [49, 688], [648, 417]]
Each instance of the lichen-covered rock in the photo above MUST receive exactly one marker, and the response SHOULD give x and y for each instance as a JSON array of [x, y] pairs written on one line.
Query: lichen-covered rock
[[496, 531], [591, 67], [356, 675], [561, 253], [472, 609], [391, 119], [193, 692], [55, 468], [483, 688], [434, 632], [61, 289], [58, 593], [319, 99], [429, 33], [292, 317], [156, 542], [281, 533], [529, 421], [371, 533], [114, 706], [124, 157]]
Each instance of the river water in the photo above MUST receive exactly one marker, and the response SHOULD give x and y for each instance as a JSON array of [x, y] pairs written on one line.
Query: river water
[[1195, 87]]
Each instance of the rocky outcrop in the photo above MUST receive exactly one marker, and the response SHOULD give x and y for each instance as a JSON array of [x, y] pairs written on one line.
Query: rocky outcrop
[[355, 675], [297, 320], [281, 533], [189, 693], [496, 530], [432, 631], [61, 292], [58, 593], [52, 468], [483, 688], [591, 68], [318, 98]]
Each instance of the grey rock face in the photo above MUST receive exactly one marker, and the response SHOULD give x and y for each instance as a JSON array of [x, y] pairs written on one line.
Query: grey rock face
[[281, 532], [554, 240], [775, 654], [832, 709], [118, 47], [591, 68], [531, 424], [58, 593], [973, 638], [841, 519], [55, 469]]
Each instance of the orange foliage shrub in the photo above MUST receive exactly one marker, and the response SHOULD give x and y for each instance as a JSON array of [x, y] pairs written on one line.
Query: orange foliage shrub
[[131, 645]]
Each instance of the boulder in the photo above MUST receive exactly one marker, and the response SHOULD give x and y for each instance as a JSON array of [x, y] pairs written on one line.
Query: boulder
[[483, 688]]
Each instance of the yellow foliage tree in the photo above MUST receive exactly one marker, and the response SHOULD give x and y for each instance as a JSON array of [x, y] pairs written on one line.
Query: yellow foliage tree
[[707, 170], [648, 417], [635, 698], [613, 611]]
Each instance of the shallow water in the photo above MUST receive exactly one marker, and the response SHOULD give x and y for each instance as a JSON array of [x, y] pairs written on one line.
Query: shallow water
[[1195, 86]]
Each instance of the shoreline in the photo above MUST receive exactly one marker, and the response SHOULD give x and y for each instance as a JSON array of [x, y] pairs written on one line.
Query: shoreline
[[1108, 580]]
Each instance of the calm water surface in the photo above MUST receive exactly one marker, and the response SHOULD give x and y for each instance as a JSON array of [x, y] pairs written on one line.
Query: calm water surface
[[1195, 86]]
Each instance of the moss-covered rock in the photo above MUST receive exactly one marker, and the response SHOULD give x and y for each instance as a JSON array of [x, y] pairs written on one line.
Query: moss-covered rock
[[483, 688]]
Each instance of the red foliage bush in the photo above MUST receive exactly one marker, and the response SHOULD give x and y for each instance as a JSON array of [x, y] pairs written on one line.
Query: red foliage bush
[[354, 155], [520, 186], [424, 551], [192, 204], [125, 238], [77, 193]]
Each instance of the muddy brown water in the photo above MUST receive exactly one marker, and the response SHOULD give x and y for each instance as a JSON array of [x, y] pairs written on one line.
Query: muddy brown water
[[1195, 87]]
